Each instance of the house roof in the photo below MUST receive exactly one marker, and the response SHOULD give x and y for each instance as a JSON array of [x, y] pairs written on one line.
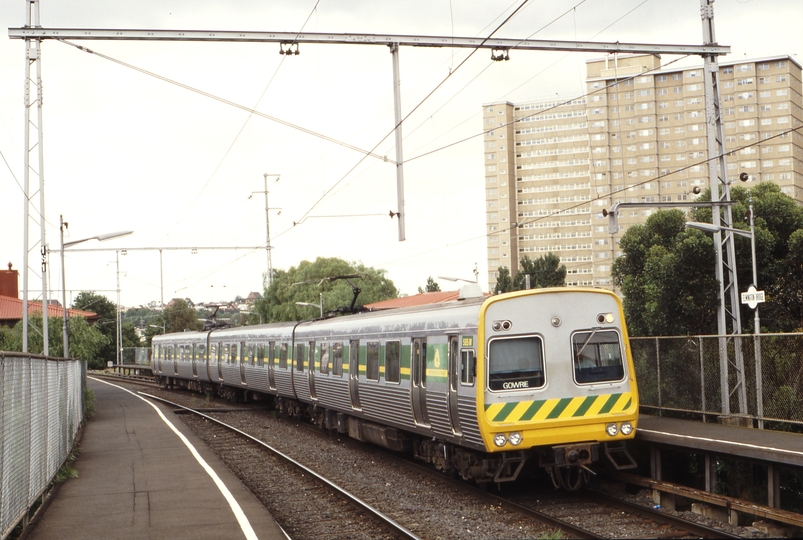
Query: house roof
[[11, 310], [421, 299]]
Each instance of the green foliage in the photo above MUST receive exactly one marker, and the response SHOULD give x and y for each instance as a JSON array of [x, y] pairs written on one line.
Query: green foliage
[[65, 473], [180, 316], [544, 271], [86, 342], [504, 283], [666, 276], [89, 404], [779, 256], [431, 286], [106, 323], [307, 281]]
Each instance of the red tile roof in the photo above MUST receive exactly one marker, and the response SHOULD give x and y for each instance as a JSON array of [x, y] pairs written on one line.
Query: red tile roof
[[415, 300], [11, 310]]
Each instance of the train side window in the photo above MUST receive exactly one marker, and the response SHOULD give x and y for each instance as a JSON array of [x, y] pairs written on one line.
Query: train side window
[[468, 367], [324, 366], [251, 354], [300, 348], [202, 352], [283, 356], [226, 350], [271, 353], [312, 352], [597, 356], [337, 359], [392, 361], [516, 363], [261, 354], [372, 360]]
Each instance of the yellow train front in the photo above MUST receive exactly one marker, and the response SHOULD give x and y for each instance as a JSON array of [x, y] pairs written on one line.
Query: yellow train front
[[558, 382]]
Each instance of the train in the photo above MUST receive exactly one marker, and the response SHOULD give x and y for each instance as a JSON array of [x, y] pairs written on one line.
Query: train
[[483, 387]]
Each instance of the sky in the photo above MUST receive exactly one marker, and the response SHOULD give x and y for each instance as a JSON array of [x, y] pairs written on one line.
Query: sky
[[124, 150]]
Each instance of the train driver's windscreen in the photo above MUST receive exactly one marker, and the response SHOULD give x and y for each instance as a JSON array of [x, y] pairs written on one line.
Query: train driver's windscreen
[[597, 356], [516, 363]]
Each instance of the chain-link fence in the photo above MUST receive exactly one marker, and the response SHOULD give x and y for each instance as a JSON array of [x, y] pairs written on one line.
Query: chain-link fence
[[684, 374], [41, 412]]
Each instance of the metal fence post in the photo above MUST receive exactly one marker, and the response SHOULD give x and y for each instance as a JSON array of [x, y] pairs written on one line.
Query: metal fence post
[[702, 378], [658, 366], [759, 380]]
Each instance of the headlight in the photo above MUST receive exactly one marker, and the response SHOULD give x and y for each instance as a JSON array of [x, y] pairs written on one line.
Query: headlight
[[611, 430], [500, 439], [627, 428], [515, 438]]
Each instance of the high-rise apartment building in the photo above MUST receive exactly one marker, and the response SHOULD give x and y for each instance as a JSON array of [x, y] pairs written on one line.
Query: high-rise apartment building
[[639, 135]]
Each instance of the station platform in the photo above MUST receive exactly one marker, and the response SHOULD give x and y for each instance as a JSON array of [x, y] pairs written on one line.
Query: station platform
[[143, 474], [778, 447]]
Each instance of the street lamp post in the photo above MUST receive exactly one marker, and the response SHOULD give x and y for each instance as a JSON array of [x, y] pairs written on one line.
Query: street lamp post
[[319, 305], [471, 290], [101, 237], [254, 313]]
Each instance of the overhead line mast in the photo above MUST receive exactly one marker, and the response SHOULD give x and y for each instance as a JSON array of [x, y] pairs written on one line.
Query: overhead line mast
[[289, 43]]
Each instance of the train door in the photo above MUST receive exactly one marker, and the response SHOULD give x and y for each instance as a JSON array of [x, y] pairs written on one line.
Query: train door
[[454, 382], [272, 365], [211, 359], [354, 374], [157, 355], [175, 354], [418, 388], [194, 365], [246, 355], [222, 354], [311, 372]]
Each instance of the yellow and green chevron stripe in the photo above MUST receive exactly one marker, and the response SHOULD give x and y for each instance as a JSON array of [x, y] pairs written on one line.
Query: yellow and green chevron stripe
[[557, 409]]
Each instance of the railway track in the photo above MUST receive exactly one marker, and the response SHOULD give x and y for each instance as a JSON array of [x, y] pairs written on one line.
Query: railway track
[[366, 521], [585, 515]]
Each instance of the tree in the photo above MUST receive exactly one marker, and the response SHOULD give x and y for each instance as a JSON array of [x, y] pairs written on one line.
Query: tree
[[309, 280], [504, 283], [86, 342], [544, 271], [431, 286], [107, 320], [666, 276], [778, 218], [180, 316]]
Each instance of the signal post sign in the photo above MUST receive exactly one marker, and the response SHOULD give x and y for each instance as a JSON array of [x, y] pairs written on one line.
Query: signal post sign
[[752, 297]]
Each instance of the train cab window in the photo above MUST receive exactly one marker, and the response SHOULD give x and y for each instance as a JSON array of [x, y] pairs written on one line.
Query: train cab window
[[372, 360], [392, 361], [597, 356], [323, 369], [300, 348], [337, 359], [516, 363], [261, 354], [468, 367]]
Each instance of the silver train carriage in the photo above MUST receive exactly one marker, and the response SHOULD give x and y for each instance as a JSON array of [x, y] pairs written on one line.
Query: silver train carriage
[[479, 386]]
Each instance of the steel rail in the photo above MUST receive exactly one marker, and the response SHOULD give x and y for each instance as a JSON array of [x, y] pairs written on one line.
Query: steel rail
[[656, 515], [352, 498]]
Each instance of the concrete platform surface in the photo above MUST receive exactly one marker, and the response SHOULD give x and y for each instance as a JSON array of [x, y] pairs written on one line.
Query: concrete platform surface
[[138, 479]]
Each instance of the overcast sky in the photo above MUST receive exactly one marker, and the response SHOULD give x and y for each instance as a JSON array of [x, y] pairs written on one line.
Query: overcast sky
[[127, 151]]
